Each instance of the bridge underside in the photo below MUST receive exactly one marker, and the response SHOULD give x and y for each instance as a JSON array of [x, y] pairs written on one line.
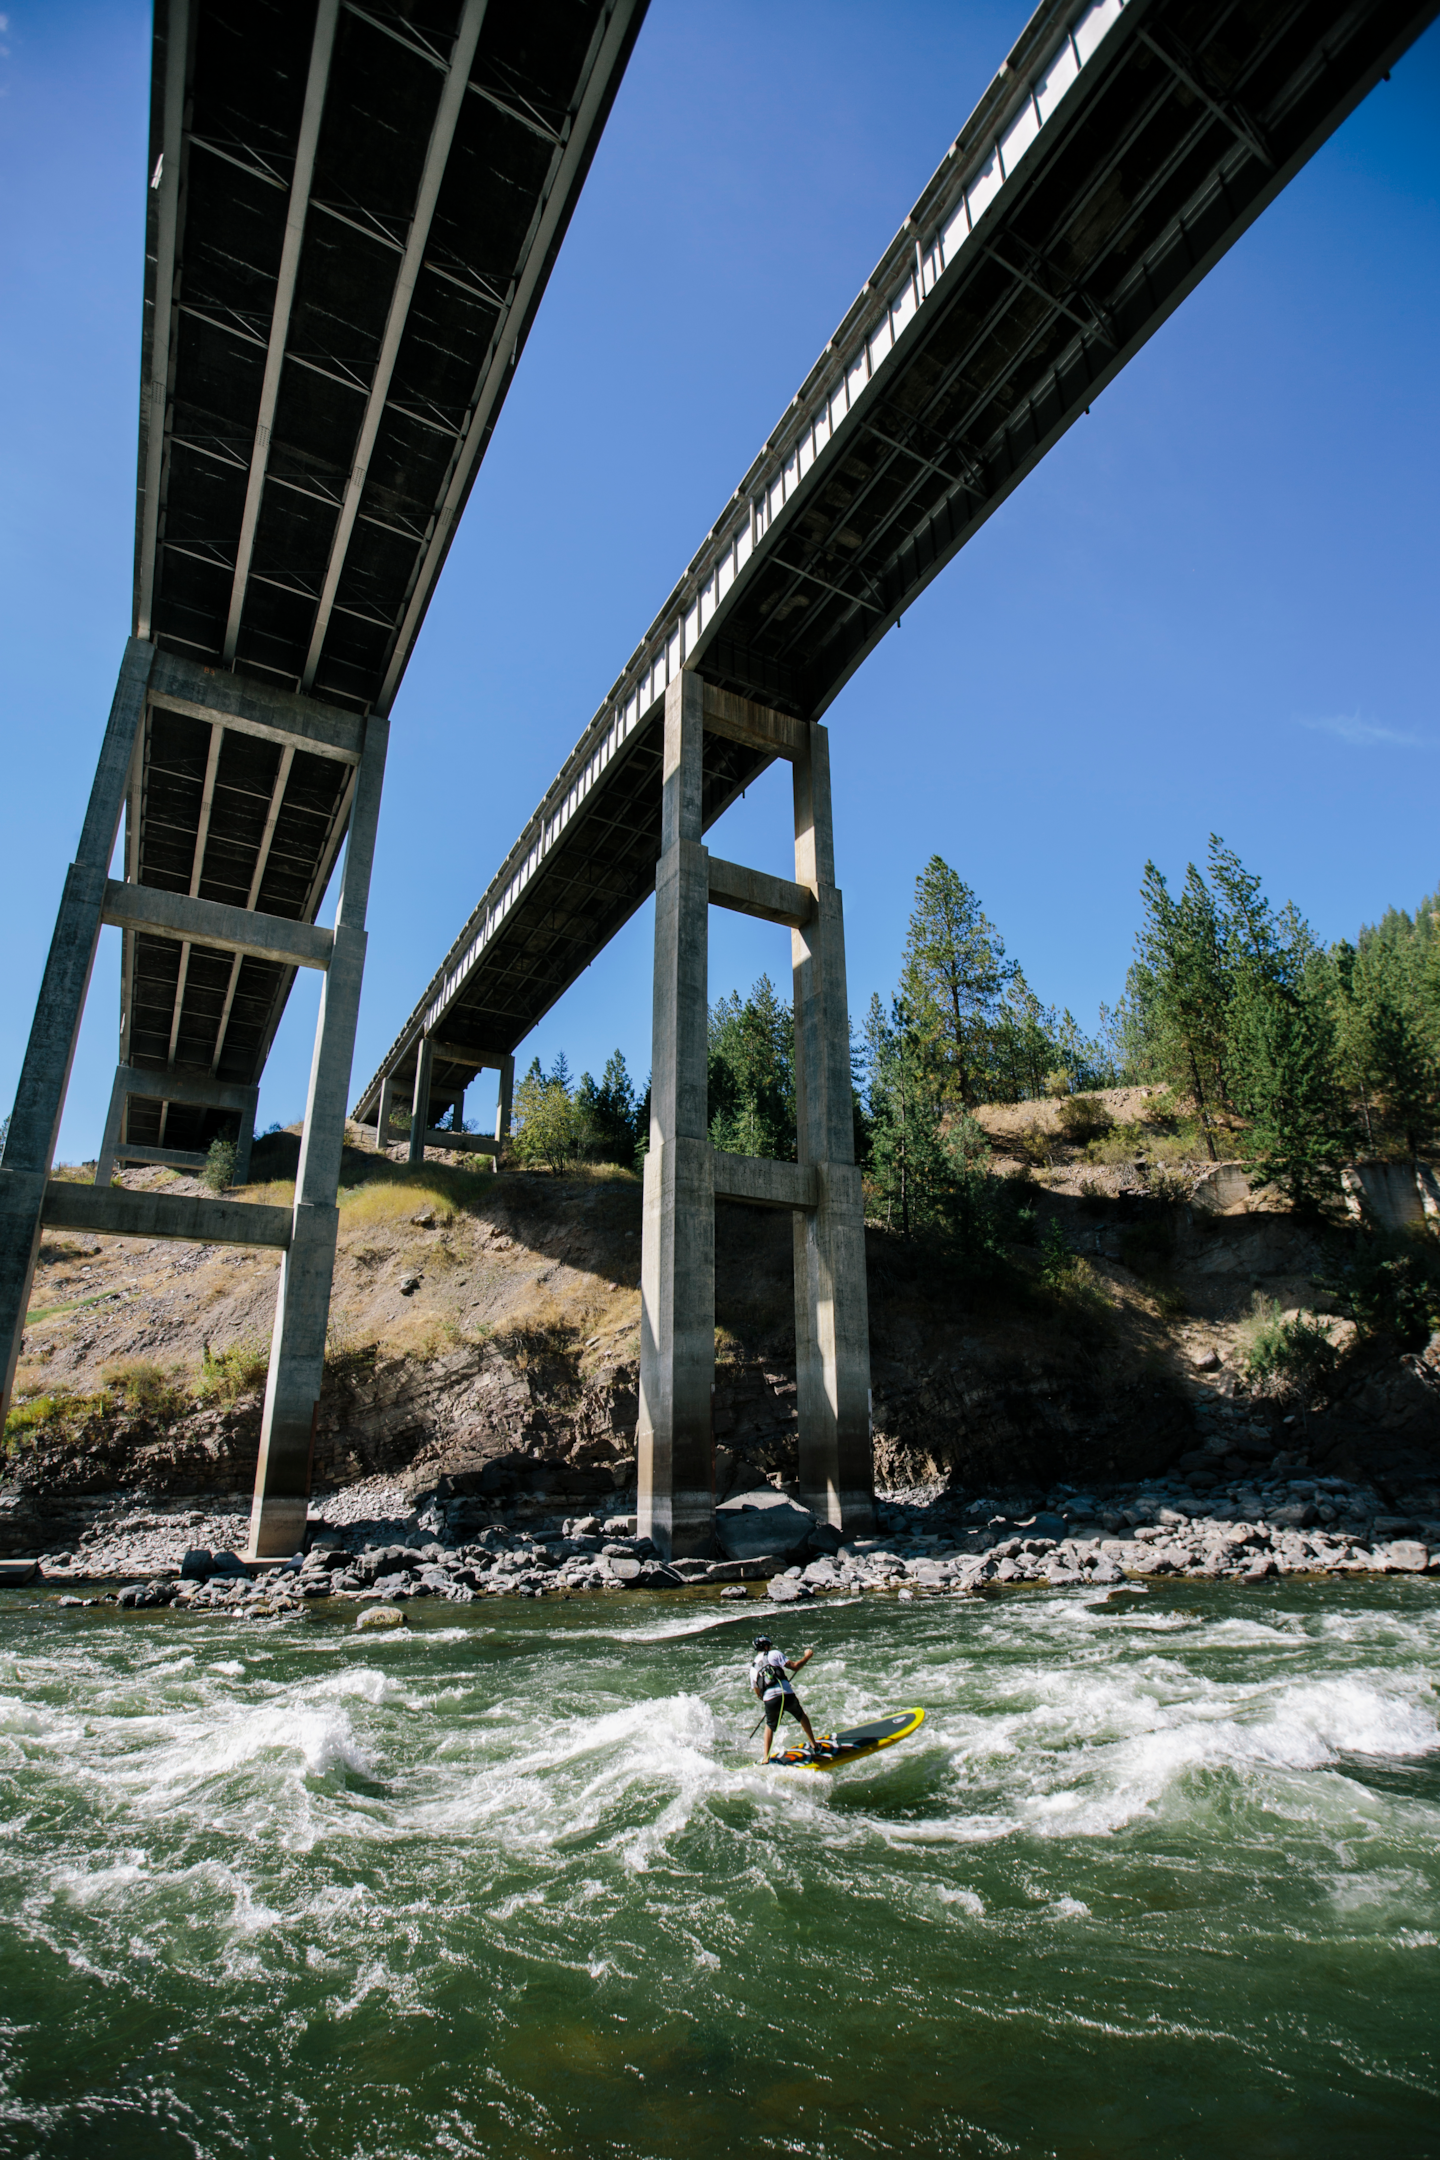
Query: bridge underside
[[1115, 159]]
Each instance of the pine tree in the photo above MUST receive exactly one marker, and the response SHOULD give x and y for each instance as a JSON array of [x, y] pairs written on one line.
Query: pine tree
[[752, 1074], [1178, 992], [908, 1160], [953, 975], [611, 1110]]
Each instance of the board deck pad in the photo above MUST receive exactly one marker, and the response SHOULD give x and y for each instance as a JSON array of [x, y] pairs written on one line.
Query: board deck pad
[[855, 1742]]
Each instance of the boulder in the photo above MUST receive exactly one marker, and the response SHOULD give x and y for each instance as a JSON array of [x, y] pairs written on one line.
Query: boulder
[[18, 1572], [1409, 1556], [228, 1563], [763, 1524], [824, 1540], [783, 1591], [382, 1616], [196, 1565]]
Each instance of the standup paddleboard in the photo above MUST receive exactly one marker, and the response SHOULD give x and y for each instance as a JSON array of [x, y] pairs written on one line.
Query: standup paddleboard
[[837, 1749]]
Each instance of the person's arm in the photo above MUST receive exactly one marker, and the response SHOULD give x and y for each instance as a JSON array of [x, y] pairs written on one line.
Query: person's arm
[[803, 1659]]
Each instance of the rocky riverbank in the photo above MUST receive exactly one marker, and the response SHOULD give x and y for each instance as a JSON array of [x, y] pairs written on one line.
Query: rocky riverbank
[[367, 1543]]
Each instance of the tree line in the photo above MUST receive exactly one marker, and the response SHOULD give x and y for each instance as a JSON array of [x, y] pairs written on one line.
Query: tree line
[[1294, 1055]]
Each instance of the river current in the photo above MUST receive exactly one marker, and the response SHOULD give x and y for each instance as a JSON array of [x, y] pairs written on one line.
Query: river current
[[1156, 1877]]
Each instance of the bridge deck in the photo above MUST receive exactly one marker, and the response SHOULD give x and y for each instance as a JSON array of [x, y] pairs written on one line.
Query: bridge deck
[[352, 217], [1117, 155]]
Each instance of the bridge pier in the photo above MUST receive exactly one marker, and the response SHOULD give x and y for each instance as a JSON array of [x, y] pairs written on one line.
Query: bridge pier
[[302, 1306], [684, 1172], [50, 1050]]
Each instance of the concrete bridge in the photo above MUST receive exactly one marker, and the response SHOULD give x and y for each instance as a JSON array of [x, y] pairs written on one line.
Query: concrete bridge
[[334, 165], [351, 222], [1116, 156]]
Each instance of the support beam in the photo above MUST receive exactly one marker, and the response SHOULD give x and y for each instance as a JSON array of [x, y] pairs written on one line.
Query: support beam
[[50, 1050], [215, 924], [677, 1280], [168, 1158], [460, 1143], [740, 719], [321, 46], [752, 892], [417, 239], [111, 1211], [761, 1182], [254, 708], [302, 1307]]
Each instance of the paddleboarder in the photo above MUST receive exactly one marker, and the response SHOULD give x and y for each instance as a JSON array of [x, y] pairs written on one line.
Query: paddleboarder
[[770, 1679]]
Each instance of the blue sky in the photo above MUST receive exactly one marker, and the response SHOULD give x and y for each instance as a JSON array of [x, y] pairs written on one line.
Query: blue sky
[[1212, 608]]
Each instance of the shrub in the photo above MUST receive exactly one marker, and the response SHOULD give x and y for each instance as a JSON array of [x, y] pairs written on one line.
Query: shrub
[[1084, 1118], [236, 1370], [144, 1387], [29, 1418], [219, 1171], [1288, 1357]]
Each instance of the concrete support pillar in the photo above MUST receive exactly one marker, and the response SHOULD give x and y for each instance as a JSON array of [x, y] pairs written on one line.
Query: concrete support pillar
[[114, 1131], [420, 1100], [503, 1108], [50, 1050], [382, 1114], [677, 1273], [832, 1327], [302, 1310], [245, 1139]]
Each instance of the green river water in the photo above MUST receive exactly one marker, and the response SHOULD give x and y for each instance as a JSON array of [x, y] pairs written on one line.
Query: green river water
[[1156, 1879]]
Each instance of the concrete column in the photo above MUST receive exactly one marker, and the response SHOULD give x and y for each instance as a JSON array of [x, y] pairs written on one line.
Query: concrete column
[[245, 1138], [302, 1308], [420, 1100], [503, 1108], [114, 1131], [382, 1114], [677, 1267], [50, 1050], [832, 1337]]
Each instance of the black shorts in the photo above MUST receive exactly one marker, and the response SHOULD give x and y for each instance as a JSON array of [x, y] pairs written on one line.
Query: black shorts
[[777, 1705]]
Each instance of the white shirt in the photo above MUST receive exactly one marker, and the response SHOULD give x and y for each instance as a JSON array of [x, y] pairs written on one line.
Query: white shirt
[[769, 1675]]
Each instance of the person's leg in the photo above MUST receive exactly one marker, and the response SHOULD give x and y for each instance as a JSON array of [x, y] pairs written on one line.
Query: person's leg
[[772, 1719], [797, 1710]]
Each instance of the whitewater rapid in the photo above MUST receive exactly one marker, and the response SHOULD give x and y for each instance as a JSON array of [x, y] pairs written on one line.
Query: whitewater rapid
[[517, 1883]]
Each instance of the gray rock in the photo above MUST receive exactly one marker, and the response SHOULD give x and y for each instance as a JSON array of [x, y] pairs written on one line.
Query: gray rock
[[1295, 1515], [624, 1568], [761, 1523], [734, 1591], [16, 1573], [1409, 1556], [783, 1591], [229, 1563], [381, 1617], [196, 1565]]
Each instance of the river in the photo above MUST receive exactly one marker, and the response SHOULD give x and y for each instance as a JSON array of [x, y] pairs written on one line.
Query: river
[[1156, 1877]]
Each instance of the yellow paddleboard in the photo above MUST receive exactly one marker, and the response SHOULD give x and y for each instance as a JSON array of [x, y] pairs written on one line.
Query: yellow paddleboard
[[834, 1750]]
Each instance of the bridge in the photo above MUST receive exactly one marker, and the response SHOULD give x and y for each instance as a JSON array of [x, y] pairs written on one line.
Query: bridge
[[351, 221], [1123, 147], [352, 216]]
